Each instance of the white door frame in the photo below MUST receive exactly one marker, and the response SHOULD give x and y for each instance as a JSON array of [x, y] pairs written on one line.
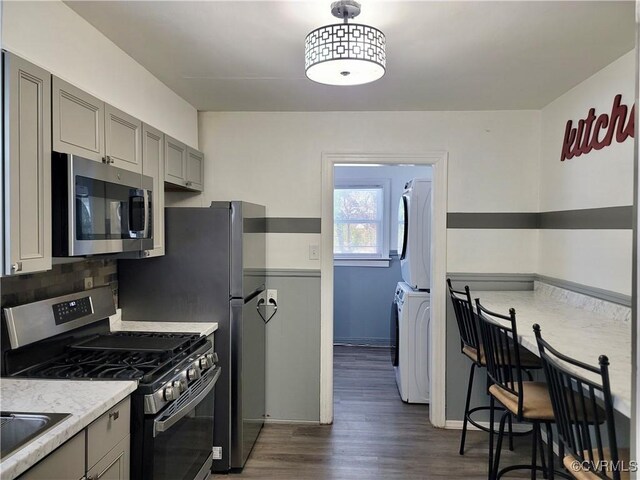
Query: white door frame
[[437, 160]]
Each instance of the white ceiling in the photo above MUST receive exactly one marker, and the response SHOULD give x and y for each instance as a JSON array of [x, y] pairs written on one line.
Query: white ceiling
[[249, 55]]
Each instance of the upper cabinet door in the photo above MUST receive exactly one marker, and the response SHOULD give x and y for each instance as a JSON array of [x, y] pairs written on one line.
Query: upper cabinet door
[[78, 121], [153, 166], [123, 139], [195, 170], [175, 161], [27, 167]]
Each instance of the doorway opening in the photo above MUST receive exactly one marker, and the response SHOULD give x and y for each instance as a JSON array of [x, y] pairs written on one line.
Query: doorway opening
[[361, 267], [381, 321]]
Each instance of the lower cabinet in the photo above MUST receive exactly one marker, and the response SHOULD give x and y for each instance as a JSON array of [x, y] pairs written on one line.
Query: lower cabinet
[[66, 462], [99, 452], [114, 465]]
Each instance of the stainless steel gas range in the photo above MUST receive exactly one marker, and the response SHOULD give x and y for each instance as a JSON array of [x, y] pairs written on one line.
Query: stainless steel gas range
[[171, 410]]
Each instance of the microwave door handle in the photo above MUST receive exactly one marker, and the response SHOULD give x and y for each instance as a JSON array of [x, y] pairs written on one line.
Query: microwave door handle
[[146, 214], [137, 193], [160, 426]]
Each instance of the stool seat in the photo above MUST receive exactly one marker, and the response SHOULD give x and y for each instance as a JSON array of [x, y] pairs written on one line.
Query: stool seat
[[536, 402], [624, 455], [527, 359]]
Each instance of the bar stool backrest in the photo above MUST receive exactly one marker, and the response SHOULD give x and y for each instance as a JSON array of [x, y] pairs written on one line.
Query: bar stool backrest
[[576, 399], [502, 355], [466, 319]]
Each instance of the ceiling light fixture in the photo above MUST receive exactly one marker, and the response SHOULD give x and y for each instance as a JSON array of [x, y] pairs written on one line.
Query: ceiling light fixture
[[343, 53]]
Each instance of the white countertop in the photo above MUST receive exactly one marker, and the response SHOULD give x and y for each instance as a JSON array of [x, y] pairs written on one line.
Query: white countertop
[[201, 328], [573, 331], [85, 400]]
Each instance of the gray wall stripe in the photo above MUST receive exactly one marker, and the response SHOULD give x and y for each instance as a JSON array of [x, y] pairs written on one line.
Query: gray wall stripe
[[606, 218], [492, 220], [293, 225], [611, 218]]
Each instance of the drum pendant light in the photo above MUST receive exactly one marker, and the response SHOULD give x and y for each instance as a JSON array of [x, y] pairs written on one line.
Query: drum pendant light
[[345, 53]]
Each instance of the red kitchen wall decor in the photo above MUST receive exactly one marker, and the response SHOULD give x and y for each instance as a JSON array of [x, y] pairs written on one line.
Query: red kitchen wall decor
[[594, 133]]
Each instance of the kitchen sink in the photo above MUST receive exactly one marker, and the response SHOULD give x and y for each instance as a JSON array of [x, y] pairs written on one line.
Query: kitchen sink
[[18, 429]]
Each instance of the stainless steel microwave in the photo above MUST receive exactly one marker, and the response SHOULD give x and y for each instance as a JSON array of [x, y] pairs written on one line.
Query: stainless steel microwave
[[99, 208]]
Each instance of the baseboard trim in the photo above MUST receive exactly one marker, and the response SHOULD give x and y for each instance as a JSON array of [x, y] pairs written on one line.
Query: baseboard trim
[[362, 342], [457, 425], [278, 421]]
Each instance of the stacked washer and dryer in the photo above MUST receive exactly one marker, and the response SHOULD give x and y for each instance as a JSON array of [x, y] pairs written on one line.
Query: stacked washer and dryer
[[411, 312]]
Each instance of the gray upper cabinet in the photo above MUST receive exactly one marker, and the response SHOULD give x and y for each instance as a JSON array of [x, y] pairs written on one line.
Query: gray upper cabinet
[[26, 184], [123, 139], [153, 166], [78, 121], [175, 161], [184, 166], [195, 170]]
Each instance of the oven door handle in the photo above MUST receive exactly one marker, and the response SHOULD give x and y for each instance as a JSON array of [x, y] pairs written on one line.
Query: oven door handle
[[160, 426]]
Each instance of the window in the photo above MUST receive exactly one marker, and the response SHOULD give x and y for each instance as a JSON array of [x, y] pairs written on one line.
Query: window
[[361, 219]]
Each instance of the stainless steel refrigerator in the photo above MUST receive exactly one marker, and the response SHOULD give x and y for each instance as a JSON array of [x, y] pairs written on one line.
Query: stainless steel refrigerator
[[213, 271]]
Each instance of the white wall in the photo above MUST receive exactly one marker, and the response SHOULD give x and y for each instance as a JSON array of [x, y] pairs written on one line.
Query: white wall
[[274, 158], [54, 37], [602, 178]]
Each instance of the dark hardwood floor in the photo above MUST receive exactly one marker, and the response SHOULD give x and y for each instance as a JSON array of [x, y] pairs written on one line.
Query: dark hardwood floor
[[374, 435]]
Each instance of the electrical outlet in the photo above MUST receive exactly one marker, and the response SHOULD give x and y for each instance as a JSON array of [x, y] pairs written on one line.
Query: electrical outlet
[[272, 295], [88, 283], [314, 252]]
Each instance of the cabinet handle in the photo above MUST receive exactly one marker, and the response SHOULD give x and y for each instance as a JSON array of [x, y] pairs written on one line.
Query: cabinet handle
[[188, 184], [17, 267], [114, 415]]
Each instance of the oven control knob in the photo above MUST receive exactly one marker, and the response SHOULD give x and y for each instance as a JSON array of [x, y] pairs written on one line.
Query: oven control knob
[[179, 385], [212, 357], [204, 363], [170, 393], [193, 374]]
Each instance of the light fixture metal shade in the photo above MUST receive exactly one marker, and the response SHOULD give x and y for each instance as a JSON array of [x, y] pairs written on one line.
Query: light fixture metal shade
[[345, 54]]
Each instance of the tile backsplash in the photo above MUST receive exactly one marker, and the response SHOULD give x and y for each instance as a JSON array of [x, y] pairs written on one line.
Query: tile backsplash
[[60, 280]]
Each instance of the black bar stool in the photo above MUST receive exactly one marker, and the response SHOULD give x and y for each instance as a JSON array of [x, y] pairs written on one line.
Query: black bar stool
[[526, 401], [471, 346], [583, 409]]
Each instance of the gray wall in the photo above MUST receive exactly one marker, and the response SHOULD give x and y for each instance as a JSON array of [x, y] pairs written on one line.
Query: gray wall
[[362, 299], [293, 349]]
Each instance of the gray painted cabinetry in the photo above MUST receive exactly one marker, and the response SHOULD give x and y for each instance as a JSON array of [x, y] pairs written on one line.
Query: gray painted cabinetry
[[26, 185], [66, 461], [86, 126], [78, 121], [122, 139], [153, 143], [105, 444], [195, 169], [184, 166]]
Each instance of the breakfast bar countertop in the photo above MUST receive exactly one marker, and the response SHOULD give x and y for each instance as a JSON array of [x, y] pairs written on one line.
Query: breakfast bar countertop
[[577, 332]]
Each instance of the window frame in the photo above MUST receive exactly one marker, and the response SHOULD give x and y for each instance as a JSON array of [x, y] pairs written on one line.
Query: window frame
[[365, 259]]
